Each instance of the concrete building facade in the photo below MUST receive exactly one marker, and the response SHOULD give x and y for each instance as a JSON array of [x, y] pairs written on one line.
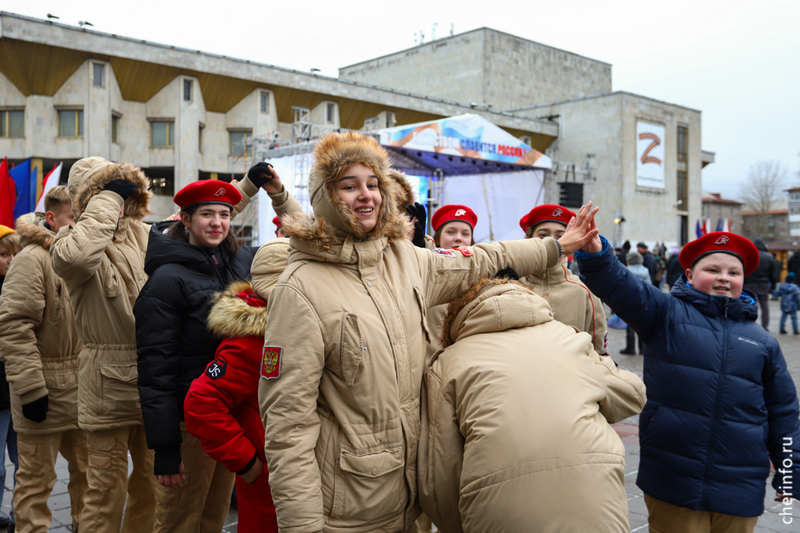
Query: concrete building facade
[[716, 207], [794, 212], [487, 68], [185, 115]]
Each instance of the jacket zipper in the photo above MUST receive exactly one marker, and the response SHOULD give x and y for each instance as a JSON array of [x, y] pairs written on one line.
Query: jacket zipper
[[716, 404]]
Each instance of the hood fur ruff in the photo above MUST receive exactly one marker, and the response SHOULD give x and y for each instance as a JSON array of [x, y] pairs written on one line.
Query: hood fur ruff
[[471, 299], [406, 192], [31, 230], [231, 316], [136, 207], [333, 220]]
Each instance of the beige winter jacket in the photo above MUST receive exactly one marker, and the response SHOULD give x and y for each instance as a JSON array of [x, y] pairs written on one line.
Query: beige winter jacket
[[38, 337], [572, 302], [102, 263], [516, 433], [344, 352]]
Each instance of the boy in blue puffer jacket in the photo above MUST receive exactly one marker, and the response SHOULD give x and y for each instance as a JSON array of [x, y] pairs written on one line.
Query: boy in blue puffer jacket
[[721, 402], [789, 294]]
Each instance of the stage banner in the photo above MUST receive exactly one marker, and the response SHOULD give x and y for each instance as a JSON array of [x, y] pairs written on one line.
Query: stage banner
[[470, 136], [649, 155]]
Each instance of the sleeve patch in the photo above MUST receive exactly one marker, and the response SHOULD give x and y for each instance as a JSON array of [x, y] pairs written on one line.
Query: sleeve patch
[[217, 369], [445, 252], [271, 365], [466, 252]]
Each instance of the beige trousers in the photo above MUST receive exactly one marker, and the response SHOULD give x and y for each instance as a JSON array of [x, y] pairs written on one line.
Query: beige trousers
[[201, 504], [36, 477], [109, 483], [668, 518]]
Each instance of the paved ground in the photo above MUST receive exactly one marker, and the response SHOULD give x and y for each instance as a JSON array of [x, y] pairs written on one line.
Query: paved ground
[[771, 521]]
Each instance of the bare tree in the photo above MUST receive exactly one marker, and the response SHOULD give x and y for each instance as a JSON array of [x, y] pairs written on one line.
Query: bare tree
[[763, 188]]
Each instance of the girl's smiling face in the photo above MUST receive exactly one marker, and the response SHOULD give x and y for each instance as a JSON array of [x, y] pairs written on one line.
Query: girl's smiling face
[[358, 189], [717, 274]]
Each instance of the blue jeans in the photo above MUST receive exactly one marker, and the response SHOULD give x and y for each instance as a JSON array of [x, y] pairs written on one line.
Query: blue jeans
[[8, 439], [793, 314]]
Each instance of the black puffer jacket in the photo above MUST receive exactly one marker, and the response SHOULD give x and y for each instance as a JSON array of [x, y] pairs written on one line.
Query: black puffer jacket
[[763, 278], [173, 344]]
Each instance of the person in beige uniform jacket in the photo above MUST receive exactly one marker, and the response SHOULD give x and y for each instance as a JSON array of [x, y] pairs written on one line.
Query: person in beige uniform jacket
[[571, 301], [345, 344], [101, 261], [516, 433], [40, 344]]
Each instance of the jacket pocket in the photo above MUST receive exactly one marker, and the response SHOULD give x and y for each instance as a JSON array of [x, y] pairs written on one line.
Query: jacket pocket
[[352, 348], [423, 311], [119, 391], [370, 484], [58, 302], [111, 282]]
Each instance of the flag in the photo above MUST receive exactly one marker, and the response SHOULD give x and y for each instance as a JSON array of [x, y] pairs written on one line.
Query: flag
[[8, 195], [22, 177], [49, 181], [720, 225], [32, 193], [707, 226], [698, 230]]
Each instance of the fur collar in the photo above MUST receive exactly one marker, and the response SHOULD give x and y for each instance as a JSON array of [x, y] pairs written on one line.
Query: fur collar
[[32, 230], [136, 207], [232, 316]]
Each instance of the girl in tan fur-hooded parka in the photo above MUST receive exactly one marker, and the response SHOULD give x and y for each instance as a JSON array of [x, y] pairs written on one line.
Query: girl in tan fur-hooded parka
[[346, 338], [516, 427]]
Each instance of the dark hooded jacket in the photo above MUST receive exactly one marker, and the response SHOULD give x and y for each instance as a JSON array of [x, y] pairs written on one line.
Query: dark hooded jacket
[[720, 400], [763, 278], [173, 343]]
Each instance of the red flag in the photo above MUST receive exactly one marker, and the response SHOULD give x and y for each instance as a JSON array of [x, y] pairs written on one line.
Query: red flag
[[8, 195]]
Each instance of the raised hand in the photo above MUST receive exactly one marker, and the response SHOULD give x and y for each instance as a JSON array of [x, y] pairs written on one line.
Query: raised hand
[[581, 230]]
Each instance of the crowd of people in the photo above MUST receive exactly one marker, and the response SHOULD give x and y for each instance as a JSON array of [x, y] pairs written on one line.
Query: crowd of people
[[355, 372]]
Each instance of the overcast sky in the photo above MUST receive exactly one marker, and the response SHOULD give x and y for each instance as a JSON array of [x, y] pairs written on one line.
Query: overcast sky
[[736, 61]]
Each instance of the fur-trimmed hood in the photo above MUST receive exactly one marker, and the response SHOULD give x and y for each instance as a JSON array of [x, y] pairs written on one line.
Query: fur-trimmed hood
[[333, 222], [32, 230], [406, 196], [492, 305], [238, 312], [88, 176]]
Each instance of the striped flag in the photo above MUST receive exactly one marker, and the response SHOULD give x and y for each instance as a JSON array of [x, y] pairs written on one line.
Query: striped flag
[[49, 181]]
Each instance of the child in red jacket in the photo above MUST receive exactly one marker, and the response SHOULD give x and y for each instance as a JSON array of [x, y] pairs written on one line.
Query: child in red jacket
[[221, 408]]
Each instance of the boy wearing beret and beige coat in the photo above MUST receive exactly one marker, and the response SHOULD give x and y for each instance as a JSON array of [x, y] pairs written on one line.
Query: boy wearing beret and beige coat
[[40, 345]]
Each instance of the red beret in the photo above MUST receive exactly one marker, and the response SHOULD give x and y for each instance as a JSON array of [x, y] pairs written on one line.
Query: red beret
[[545, 213], [449, 213], [277, 222], [208, 192], [721, 242]]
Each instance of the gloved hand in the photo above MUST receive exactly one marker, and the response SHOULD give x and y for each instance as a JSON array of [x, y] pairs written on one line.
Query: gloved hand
[[260, 173], [509, 273], [124, 188], [417, 211], [36, 410]]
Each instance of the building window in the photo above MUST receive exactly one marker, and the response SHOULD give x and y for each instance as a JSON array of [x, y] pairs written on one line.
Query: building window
[[684, 223], [115, 127], [12, 124], [200, 129], [683, 143], [162, 134], [794, 210], [187, 90], [99, 74], [70, 123], [683, 191], [795, 196], [331, 110], [238, 143], [265, 101], [794, 225]]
